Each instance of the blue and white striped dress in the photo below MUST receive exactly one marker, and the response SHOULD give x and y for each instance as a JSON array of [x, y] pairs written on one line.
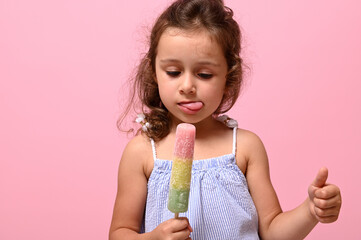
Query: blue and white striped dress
[[220, 205]]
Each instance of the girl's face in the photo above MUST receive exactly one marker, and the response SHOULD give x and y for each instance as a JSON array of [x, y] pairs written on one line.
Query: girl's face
[[191, 74]]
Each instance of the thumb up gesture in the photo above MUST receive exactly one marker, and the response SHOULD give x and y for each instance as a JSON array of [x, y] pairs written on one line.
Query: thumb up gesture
[[325, 199]]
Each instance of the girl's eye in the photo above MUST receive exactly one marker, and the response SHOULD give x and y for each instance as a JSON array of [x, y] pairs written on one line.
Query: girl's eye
[[205, 75], [173, 73]]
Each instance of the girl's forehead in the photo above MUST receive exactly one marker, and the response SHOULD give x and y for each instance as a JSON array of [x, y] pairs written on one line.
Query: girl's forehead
[[189, 46], [200, 37], [173, 31]]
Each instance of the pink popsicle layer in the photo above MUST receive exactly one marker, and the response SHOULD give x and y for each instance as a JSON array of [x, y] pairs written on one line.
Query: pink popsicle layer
[[184, 142]]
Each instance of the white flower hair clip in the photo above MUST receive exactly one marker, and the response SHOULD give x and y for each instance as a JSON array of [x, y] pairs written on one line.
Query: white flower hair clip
[[141, 119], [229, 122]]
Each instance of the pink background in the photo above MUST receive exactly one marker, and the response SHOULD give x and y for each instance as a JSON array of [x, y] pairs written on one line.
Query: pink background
[[62, 66]]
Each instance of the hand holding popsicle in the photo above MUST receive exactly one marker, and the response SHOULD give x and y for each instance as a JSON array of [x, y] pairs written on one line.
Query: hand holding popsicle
[[173, 229], [325, 199], [181, 169]]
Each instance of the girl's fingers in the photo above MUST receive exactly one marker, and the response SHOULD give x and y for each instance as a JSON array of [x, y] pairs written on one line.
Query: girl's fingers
[[327, 219], [188, 225], [327, 203], [179, 225], [327, 192], [182, 235], [181, 228], [328, 212], [173, 229]]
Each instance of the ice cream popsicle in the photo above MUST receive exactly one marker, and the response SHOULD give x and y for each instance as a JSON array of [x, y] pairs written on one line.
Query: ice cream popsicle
[[181, 174]]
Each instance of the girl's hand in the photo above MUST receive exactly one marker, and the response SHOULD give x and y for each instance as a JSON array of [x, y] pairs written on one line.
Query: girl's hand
[[173, 229], [325, 199]]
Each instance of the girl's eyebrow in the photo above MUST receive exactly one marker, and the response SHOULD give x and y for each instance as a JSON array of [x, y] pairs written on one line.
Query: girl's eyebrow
[[209, 63], [170, 60]]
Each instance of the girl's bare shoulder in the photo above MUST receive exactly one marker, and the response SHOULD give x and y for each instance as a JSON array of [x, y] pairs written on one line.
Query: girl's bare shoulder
[[248, 140], [249, 148], [139, 142], [137, 152]]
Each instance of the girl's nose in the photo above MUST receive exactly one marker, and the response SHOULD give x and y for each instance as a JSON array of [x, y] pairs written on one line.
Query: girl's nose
[[187, 85]]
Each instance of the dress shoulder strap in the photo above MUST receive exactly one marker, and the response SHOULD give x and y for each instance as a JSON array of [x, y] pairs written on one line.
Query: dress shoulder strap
[[234, 148], [231, 123], [153, 149]]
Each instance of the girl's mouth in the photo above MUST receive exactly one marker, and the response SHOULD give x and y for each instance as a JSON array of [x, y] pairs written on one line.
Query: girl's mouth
[[190, 107]]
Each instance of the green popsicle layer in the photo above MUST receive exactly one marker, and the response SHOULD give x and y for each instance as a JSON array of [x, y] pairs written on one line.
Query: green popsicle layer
[[178, 200]]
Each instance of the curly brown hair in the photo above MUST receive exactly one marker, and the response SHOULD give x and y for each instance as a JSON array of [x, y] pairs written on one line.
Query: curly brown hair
[[218, 20]]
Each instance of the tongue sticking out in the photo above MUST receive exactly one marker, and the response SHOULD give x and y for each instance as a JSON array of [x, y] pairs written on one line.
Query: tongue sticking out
[[194, 106]]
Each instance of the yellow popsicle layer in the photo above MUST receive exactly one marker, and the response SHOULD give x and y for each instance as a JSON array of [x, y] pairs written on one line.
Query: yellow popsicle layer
[[181, 173]]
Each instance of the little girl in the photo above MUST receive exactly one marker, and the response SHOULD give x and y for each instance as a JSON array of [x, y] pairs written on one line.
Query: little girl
[[192, 73]]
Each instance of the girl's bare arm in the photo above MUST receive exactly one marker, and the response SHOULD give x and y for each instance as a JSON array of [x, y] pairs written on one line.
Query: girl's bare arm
[[132, 192], [273, 222]]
